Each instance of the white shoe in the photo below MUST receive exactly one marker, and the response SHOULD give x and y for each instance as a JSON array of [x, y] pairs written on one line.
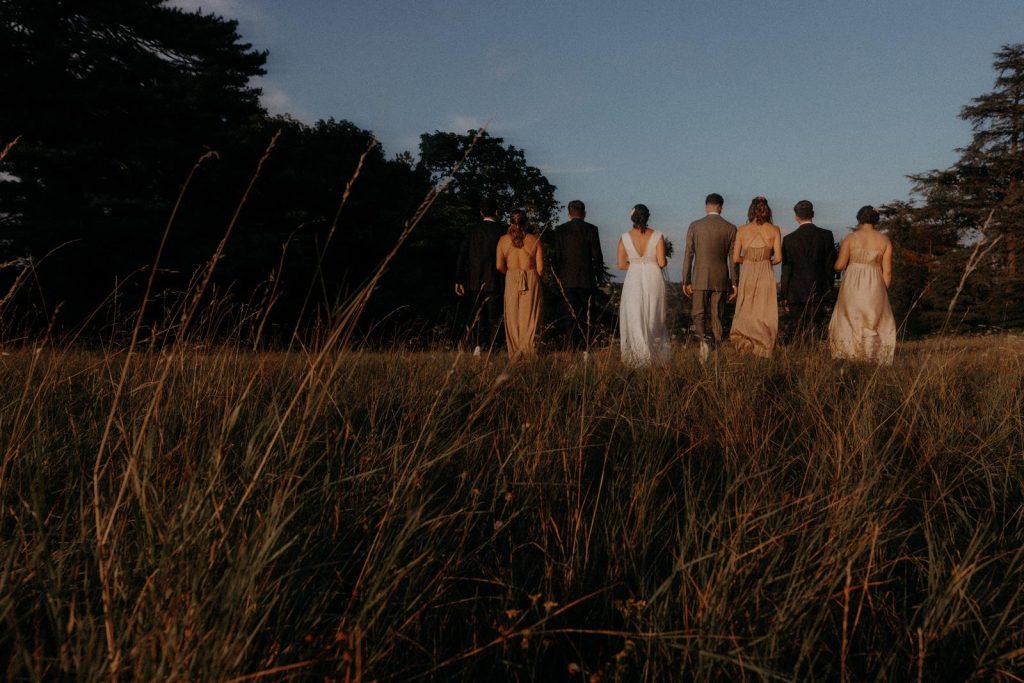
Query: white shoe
[[705, 351], [476, 352]]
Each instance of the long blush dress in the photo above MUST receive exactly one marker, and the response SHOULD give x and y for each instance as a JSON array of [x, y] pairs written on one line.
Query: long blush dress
[[756, 322], [642, 329], [522, 307], [862, 325]]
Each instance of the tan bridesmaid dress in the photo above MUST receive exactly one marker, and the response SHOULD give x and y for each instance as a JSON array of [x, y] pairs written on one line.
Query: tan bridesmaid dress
[[522, 305], [862, 325], [756, 322]]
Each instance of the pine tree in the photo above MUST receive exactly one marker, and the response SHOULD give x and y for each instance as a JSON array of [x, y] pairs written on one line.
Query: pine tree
[[977, 201]]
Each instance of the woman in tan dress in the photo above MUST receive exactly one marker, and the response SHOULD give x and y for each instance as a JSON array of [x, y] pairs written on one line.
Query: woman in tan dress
[[521, 259], [758, 247], [862, 325]]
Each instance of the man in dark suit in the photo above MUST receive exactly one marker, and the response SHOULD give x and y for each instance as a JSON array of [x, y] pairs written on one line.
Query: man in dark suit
[[708, 271], [808, 254], [578, 272], [476, 275]]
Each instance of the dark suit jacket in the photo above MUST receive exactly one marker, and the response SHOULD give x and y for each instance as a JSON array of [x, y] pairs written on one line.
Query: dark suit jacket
[[808, 254], [476, 267], [707, 262], [580, 262]]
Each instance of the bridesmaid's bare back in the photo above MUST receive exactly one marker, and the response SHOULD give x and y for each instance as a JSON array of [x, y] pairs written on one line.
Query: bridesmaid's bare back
[[527, 257], [868, 239]]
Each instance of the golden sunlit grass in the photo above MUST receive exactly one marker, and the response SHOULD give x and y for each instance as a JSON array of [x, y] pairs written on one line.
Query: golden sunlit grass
[[392, 516], [175, 510]]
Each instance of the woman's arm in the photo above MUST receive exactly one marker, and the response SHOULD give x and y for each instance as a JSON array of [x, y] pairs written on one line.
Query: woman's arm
[[737, 246], [777, 247], [659, 252], [502, 265], [622, 262], [539, 258], [844, 256], [887, 264]]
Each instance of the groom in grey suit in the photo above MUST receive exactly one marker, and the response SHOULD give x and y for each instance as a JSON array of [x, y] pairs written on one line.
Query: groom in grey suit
[[708, 271]]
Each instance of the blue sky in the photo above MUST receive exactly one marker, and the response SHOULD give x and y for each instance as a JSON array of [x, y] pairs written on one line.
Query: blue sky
[[656, 102]]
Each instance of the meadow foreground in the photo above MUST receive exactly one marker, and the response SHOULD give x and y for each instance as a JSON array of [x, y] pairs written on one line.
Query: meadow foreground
[[404, 516]]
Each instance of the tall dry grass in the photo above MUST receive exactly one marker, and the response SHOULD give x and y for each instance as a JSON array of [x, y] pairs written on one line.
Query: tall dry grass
[[426, 516], [174, 510]]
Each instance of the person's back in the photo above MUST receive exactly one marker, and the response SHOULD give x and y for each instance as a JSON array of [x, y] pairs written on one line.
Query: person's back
[[862, 325], [477, 269], [808, 279], [807, 257], [708, 272], [476, 277], [578, 270], [758, 247], [643, 335], [519, 258], [579, 254], [709, 243], [867, 246]]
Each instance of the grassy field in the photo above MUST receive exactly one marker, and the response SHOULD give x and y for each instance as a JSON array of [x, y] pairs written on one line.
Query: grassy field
[[228, 515]]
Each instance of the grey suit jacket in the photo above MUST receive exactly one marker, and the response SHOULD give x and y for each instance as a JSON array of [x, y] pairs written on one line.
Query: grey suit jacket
[[707, 263]]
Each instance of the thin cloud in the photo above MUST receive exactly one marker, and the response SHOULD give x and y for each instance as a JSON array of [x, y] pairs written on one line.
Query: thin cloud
[[277, 101]]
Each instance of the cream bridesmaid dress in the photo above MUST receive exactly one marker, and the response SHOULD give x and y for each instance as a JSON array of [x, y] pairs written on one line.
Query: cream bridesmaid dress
[[862, 325]]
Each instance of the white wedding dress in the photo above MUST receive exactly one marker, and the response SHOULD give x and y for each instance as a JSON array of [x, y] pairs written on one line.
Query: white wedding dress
[[642, 308]]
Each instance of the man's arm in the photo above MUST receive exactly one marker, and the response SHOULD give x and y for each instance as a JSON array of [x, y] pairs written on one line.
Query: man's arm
[[558, 262], [729, 261], [787, 270], [461, 266], [828, 274], [688, 256], [596, 257]]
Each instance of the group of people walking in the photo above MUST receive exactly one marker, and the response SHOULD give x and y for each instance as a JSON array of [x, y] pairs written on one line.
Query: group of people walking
[[721, 263]]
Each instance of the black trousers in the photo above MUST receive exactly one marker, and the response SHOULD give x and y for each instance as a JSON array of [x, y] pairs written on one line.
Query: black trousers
[[578, 317], [807, 321], [486, 313]]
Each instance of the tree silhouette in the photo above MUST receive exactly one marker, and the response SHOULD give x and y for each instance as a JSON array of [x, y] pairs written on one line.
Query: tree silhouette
[[979, 198], [114, 101]]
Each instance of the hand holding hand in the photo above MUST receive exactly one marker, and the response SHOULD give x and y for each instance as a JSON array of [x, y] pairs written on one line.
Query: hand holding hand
[[460, 290], [688, 290]]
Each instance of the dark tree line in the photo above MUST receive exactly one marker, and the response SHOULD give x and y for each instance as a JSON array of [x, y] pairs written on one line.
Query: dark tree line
[[114, 101], [960, 240]]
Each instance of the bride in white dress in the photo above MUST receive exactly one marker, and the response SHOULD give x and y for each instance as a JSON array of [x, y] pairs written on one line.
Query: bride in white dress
[[642, 328]]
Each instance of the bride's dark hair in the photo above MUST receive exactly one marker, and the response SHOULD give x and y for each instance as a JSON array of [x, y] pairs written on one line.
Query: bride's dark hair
[[640, 214], [517, 227]]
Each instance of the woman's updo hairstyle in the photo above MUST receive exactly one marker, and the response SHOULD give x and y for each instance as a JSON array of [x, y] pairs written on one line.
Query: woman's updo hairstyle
[[868, 215], [759, 211], [640, 214], [517, 226]]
